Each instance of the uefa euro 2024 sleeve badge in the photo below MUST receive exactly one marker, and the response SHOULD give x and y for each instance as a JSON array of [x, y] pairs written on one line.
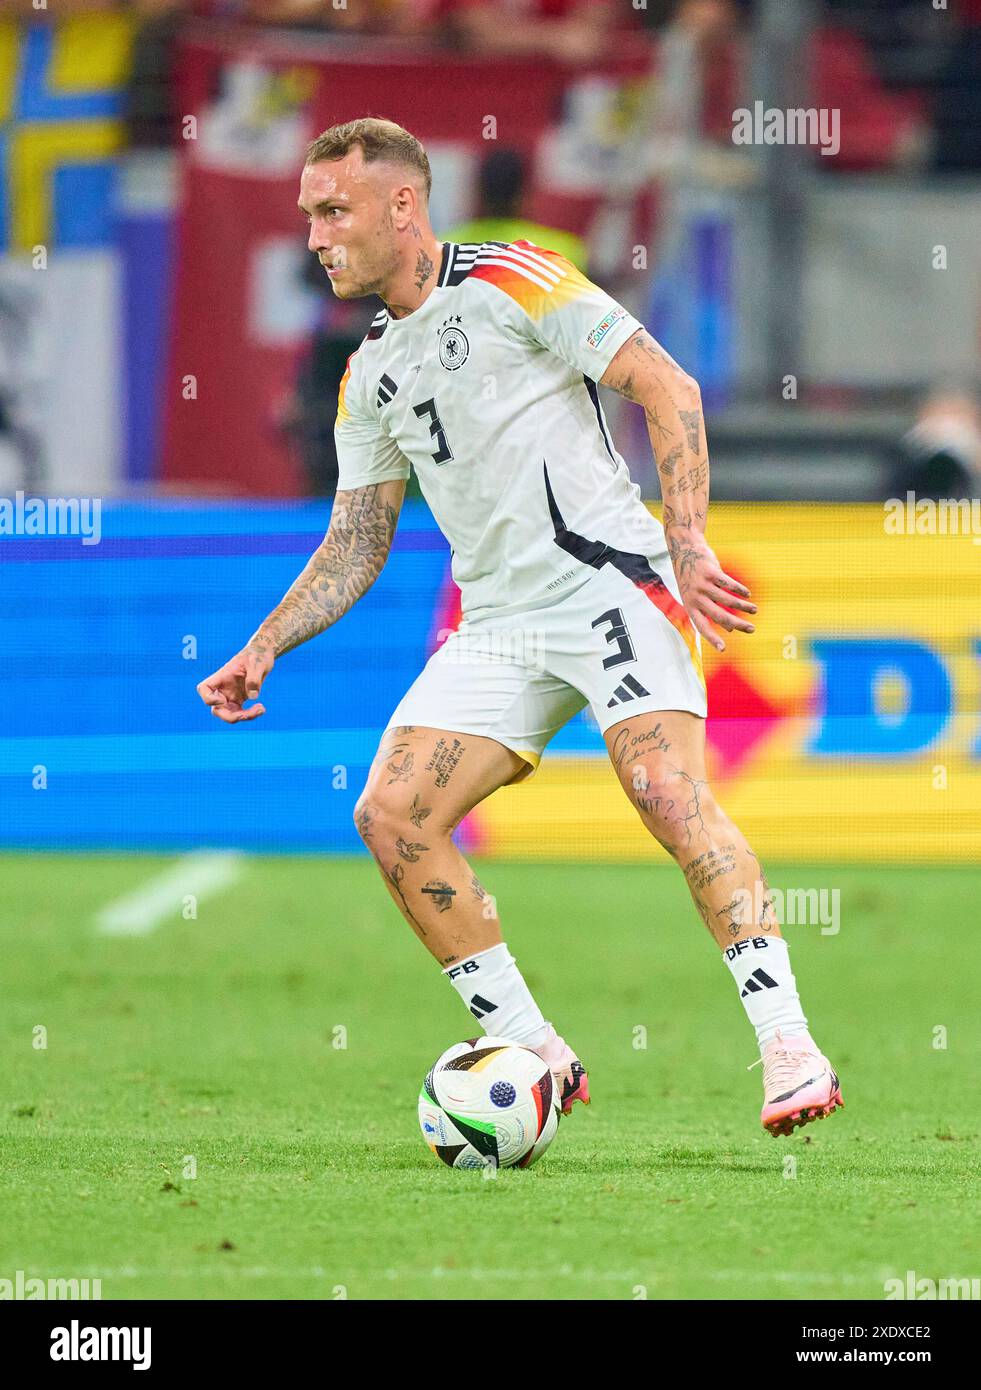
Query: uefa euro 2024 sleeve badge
[[454, 346]]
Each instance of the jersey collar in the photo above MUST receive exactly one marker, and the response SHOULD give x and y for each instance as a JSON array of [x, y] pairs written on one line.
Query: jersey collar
[[446, 263]]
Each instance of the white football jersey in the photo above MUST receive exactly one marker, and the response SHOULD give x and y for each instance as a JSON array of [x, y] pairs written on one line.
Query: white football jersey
[[489, 391]]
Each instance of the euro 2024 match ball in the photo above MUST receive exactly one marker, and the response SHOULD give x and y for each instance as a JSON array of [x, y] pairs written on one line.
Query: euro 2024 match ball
[[489, 1103]]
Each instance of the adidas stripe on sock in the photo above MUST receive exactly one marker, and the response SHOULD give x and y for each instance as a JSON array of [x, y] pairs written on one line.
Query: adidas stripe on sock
[[493, 989], [761, 969]]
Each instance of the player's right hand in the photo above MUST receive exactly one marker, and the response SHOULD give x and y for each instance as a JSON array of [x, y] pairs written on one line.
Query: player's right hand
[[237, 681]]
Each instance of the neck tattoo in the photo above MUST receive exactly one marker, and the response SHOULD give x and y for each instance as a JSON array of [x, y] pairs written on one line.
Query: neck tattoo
[[424, 268]]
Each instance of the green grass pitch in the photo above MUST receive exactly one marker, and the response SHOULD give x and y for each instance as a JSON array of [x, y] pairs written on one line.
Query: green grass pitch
[[214, 1038]]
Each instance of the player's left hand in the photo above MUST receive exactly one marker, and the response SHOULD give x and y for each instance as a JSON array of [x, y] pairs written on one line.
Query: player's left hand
[[708, 592]]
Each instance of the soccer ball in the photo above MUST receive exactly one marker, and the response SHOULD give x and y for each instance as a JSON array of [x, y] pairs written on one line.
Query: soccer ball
[[488, 1103]]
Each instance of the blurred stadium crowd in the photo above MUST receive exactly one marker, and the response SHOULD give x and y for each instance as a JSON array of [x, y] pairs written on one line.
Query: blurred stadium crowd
[[909, 73], [768, 265]]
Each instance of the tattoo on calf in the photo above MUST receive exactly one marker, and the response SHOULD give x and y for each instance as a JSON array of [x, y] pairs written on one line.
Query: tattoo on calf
[[410, 850], [693, 811], [768, 902], [396, 874], [710, 866], [734, 910], [441, 892]]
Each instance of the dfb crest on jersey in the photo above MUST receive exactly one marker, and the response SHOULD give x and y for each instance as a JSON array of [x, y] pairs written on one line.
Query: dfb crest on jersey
[[454, 346]]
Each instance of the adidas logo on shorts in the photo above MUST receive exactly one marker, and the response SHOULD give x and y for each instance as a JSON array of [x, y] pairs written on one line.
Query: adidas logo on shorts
[[628, 689]]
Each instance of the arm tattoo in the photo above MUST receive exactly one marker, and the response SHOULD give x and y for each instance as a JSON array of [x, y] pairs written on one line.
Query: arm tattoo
[[684, 557], [670, 461], [344, 567], [642, 351], [654, 423], [642, 372], [692, 421]]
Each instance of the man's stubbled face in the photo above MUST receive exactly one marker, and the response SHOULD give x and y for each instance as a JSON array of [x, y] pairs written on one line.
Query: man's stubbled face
[[349, 208]]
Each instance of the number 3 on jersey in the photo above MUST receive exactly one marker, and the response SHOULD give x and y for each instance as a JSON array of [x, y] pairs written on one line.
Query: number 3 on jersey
[[436, 431]]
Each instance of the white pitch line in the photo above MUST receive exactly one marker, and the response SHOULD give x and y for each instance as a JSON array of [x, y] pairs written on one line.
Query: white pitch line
[[201, 875]]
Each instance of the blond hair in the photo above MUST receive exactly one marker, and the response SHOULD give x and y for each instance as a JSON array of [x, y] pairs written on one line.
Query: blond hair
[[378, 139]]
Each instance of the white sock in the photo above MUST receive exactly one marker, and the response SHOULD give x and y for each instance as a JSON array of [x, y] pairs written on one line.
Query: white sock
[[761, 969], [492, 987]]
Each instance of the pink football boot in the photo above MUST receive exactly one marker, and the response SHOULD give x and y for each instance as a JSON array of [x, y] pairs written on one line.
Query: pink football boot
[[799, 1085], [570, 1074]]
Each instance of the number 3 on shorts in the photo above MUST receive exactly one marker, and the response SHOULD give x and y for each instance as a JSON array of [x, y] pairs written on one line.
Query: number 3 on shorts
[[618, 636]]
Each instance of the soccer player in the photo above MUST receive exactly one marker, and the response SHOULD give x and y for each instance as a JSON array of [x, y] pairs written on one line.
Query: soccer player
[[480, 371]]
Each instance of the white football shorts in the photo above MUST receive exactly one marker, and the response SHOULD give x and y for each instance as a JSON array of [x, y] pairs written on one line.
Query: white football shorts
[[622, 643]]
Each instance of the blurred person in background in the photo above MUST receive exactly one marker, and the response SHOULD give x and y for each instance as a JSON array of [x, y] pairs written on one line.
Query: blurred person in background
[[957, 98], [22, 388], [942, 452], [501, 189], [696, 84], [312, 410], [358, 16], [567, 31], [362, 16], [706, 58]]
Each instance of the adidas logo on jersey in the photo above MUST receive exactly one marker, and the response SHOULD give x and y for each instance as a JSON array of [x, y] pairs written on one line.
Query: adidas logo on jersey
[[628, 689]]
